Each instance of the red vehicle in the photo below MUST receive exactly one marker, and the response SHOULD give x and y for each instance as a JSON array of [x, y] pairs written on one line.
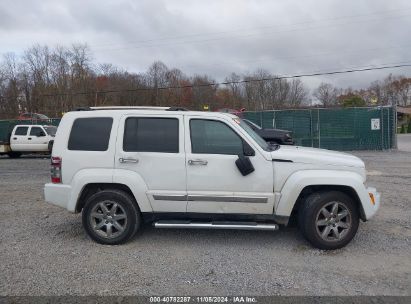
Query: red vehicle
[[232, 111], [33, 116]]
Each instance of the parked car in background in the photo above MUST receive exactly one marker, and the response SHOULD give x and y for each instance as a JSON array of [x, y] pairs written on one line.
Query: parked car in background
[[33, 116], [27, 139], [274, 136]]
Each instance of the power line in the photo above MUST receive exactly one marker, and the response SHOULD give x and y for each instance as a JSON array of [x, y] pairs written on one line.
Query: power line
[[176, 37], [329, 53], [244, 35], [233, 82]]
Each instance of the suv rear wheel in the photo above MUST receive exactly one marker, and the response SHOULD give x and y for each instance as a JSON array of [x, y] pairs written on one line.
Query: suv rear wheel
[[111, 217], [329, 220]]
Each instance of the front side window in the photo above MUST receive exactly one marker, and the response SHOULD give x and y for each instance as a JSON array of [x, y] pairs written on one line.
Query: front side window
[[90, 134], [214, 137], [252, 125], [143, 134], [36, 131], [21, 131]]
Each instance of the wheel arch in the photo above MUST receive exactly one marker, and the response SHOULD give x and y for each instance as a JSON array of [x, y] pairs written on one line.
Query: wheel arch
[[93, 188], [90, 181], [308, 190], [302, 183]]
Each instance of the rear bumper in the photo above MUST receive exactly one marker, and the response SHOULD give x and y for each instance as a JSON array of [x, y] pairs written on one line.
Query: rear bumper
[[57, 194]]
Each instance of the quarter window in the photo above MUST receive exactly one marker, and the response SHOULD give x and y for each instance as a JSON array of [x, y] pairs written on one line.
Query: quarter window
[[151, 135], [214, 137], [21, 131], [90, 134]]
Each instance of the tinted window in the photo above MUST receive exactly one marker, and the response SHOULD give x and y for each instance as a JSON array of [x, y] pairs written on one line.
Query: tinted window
[[151, 135], [36, 131], [21, 131], [214, 137], [90, 134]]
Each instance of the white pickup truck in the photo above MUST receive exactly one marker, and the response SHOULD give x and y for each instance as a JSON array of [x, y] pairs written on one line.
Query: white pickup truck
[[121, 167], [25, 139]]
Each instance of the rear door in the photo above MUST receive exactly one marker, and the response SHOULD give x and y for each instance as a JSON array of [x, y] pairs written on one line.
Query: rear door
[[19, 139], [37, 139], [214, 183], [153, 147]]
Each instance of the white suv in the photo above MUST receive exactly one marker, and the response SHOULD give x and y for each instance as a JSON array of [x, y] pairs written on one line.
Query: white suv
[[121, 167]]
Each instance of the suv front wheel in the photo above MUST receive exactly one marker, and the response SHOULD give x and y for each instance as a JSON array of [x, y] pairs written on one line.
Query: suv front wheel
[[328, 220], [111, 217]]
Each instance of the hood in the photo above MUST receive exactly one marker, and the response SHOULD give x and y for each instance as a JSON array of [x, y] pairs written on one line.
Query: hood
[[317, 156], [278, 131]]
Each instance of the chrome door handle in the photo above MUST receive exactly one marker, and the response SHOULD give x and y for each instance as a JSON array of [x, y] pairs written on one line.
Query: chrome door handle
[[128, 160], [196, 162]]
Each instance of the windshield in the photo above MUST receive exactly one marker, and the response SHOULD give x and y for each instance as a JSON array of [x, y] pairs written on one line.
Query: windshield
[[51, 130], [251, 123], [261, 142]]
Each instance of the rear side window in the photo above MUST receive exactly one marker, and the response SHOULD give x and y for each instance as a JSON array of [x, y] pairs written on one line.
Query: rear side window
[[151, 135], [36, 131], [21, 131], [90, 134]]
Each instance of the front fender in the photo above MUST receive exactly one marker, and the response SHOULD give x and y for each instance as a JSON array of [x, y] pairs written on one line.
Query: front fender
[[301, 179]]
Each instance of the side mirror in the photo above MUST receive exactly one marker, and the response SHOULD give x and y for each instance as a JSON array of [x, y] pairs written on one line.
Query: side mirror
[[244, 165], [41, 134], [247, 150]]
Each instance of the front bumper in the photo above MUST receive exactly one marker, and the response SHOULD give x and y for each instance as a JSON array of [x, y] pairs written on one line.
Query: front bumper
[[372, 205]]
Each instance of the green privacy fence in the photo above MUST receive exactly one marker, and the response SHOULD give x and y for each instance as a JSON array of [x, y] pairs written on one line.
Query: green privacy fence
[[370, 128], [6, 126], [336, 129]]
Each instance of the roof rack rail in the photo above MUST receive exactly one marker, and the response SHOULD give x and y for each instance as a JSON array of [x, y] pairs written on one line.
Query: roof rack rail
[[130, 108], [82, 109], [177, 109]]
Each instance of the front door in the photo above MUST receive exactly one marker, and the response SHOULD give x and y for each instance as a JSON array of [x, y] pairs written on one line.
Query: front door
[[214, 183], [153, 147]]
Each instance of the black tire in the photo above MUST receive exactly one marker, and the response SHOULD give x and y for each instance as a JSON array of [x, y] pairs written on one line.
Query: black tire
[[313, 223], [126, 205], [14, 154]]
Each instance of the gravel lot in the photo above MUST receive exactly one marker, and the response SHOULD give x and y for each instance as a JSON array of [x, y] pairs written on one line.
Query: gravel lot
[[44, 251]]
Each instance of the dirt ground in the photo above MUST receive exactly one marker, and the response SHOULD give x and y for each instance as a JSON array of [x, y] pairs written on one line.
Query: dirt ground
[[44, 250]]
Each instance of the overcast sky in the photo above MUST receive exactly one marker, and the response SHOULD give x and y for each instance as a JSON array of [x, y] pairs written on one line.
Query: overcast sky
[[218, 37]]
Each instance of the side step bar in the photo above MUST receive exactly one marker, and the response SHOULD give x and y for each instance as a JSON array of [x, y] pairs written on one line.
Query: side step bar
[[216, 225]]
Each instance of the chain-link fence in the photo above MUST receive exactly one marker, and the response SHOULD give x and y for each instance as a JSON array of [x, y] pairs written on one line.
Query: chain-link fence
[[370, 128]]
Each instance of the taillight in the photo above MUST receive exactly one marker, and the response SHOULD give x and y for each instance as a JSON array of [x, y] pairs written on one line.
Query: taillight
[[55, 170]]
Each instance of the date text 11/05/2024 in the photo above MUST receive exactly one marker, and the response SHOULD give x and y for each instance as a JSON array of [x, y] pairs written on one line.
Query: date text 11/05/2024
[[204, 299]]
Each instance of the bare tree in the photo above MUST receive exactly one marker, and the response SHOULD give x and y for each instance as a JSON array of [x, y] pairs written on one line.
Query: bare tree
[[298, 93], [327, 94]]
